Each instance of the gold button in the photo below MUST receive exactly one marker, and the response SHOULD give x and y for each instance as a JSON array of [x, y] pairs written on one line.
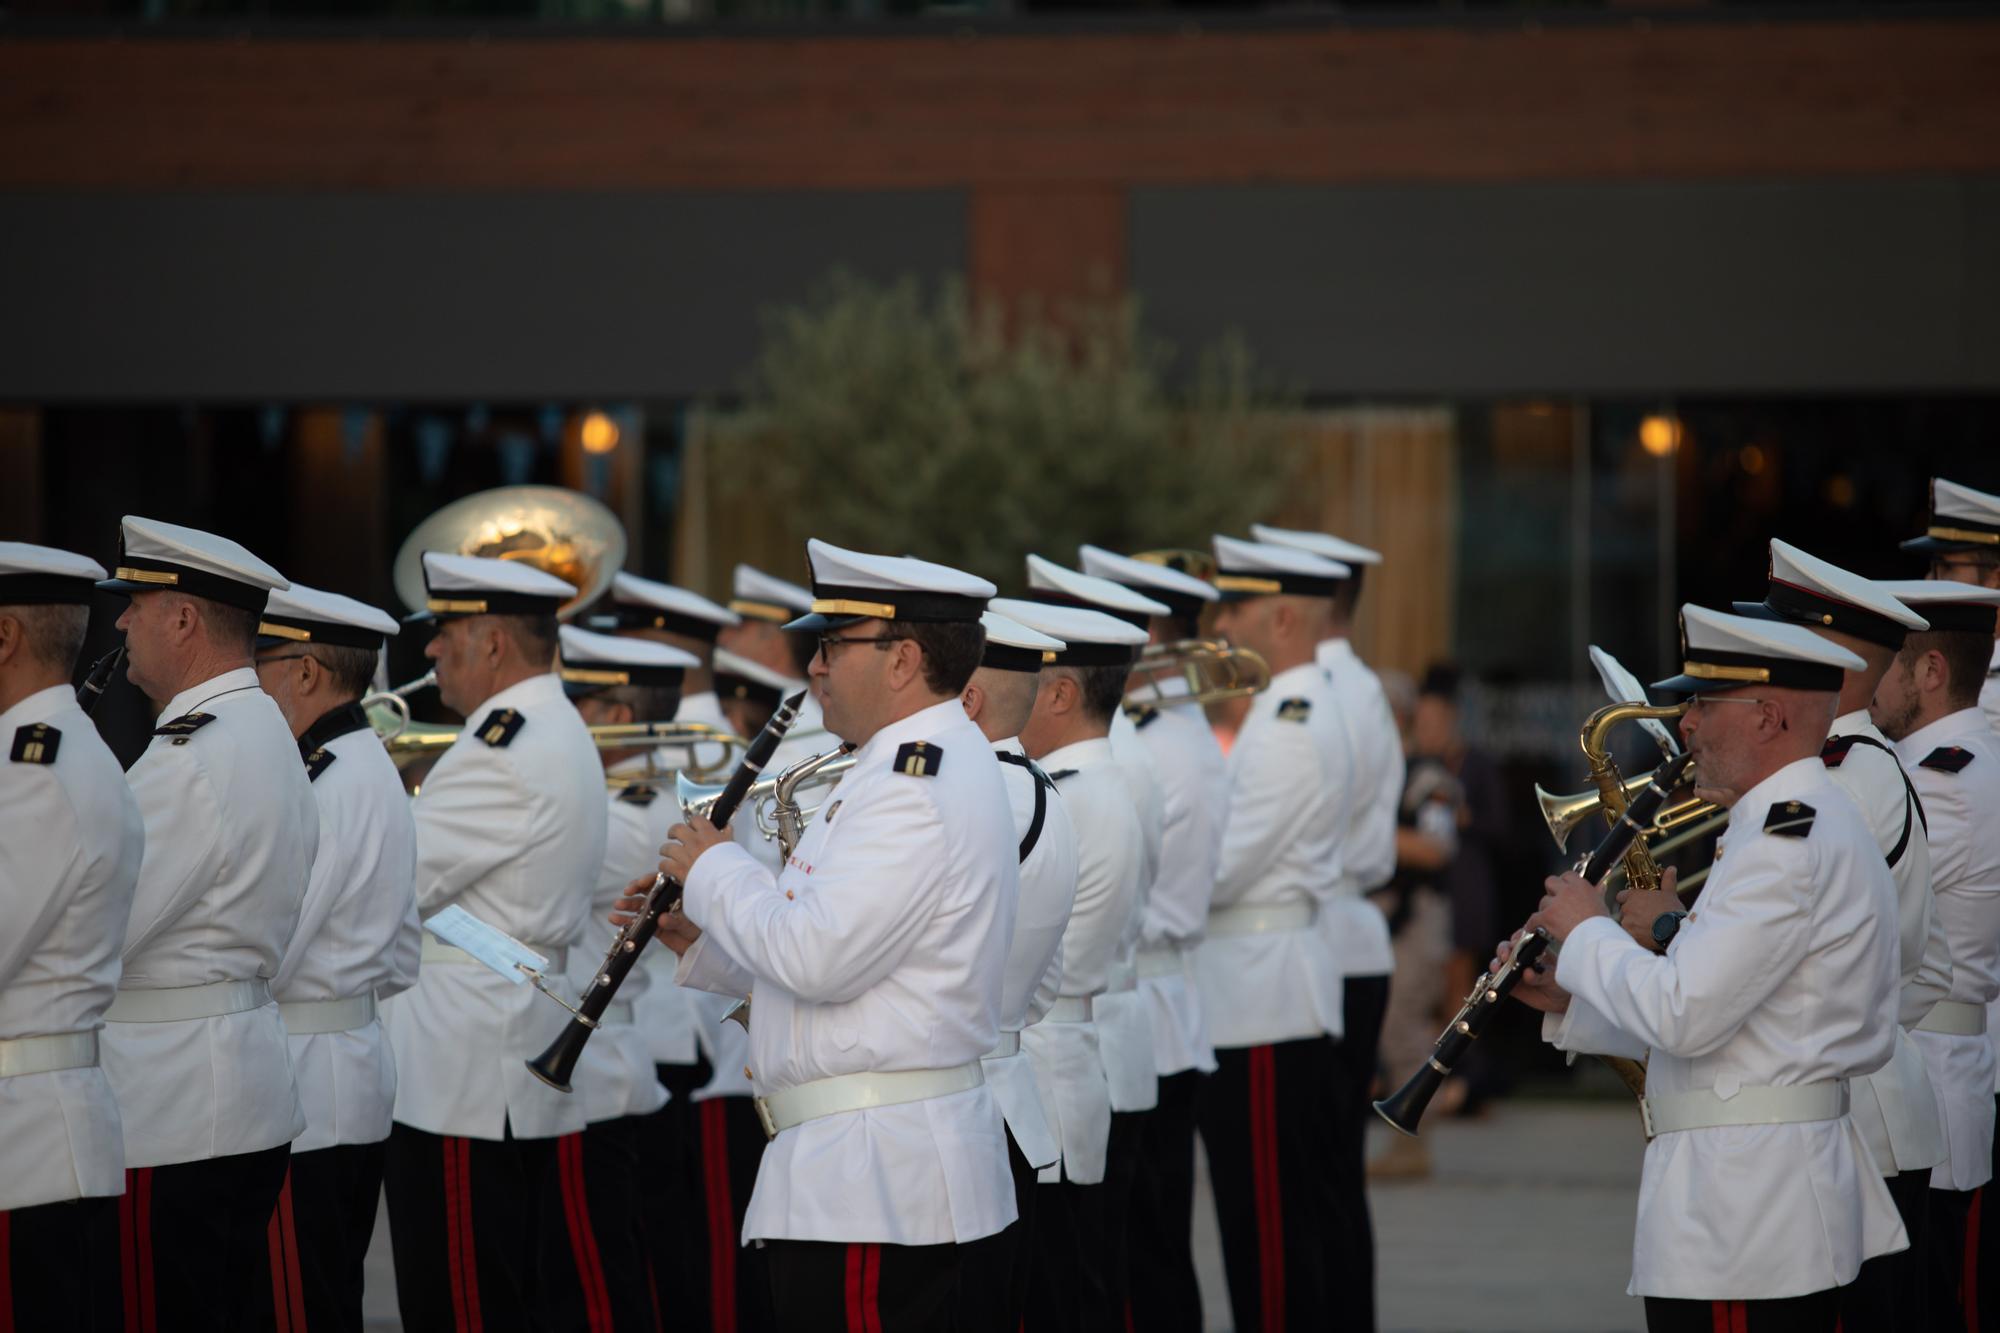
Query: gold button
[[790, 895], [747, 1073]]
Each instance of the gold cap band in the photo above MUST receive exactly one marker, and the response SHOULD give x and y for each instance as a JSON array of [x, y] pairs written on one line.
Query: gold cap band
[[1242, 583], [582, 676], [1942, 534], [271, 631], [441, 607], [1706, 671], [1048, 656], [762, 610], [841, 606], [131, 575]]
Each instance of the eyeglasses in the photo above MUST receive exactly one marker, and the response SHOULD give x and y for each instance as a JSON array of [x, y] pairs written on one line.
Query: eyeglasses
[[827, 642]]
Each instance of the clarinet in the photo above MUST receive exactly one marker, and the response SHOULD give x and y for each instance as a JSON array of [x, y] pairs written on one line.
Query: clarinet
[[91, 692], [1405, 1107], [555, 1065]]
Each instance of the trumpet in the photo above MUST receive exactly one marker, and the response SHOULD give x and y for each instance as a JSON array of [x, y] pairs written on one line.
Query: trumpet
[[555, 1065], [1211, 670], [773, 801], [389, 710]]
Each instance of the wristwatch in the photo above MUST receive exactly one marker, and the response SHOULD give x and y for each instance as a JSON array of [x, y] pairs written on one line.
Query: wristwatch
[[1665, 926]]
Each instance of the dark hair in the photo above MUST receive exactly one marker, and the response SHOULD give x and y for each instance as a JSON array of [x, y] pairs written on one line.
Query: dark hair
[[351, 670], [535, 636], [1966, 654], [229, 626], [804, 644], [1441, 681], [951, 650], [1175, 627], [1348, 593], [649, 703], [1102, 687]]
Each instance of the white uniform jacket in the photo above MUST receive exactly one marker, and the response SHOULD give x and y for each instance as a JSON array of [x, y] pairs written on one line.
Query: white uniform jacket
[[1189, 764], [726, 1045], [512, 830], [1034, 962], [1785, 974], [1124, 1016], [1266, 972], [614, 1076], [1894, 1108], [1067, 1056], [1989, 693], [1368, 851], [70, 843], [230, 836], [358, 933], [883, 947], [1955, 764]]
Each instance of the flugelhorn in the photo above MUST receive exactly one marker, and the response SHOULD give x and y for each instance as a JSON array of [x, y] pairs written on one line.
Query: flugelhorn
[[1404, 1108], [1210, 669], [555, 1065], [774, 801]]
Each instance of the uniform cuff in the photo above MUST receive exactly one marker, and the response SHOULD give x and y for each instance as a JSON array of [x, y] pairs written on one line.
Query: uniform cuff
[[1597, 933]]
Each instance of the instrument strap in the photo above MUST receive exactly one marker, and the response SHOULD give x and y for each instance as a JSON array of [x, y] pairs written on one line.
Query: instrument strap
[[1911, 801], [1042, 786]]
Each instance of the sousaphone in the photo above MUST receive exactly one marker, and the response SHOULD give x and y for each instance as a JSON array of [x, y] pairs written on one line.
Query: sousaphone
[[562, 532]]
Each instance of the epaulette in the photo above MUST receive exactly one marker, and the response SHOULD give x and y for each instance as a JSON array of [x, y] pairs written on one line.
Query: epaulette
[[36, 743], [639, 794], [184, 726], [919, 759], [1947, 759], [500, 727], [318, 762], [1143, 716], [1835, 750], [1790, 819], [1295, 710]]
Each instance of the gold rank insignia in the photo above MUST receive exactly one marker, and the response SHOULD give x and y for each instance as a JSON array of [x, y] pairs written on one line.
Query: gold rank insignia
[[500, 727], [919, 759], [36, 743], [318, 762], [1295, 710]]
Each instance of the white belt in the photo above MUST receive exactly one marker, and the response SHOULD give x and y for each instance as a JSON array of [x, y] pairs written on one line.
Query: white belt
[[858, 1092], [42, 1055], [303, 1018], [1070, 1009], [178, 1004], [1955, 1018], [1167, 962], [1259, 920], [1009, 1044], [1750, 1106]]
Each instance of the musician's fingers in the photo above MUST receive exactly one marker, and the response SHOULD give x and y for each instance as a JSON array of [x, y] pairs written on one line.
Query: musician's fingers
[[1670, 879], [678, 833], [1623, 894]]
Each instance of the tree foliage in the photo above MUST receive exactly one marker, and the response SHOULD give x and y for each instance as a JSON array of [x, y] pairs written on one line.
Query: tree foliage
[[903, 419]]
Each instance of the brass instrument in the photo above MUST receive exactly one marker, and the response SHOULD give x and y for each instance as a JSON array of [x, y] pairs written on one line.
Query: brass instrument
[[389, 710], [774, 800], [1212, 670], [421, 740], [562, 532]]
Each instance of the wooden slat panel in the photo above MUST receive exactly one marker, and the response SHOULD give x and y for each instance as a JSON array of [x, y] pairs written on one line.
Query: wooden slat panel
[[1599, 101]]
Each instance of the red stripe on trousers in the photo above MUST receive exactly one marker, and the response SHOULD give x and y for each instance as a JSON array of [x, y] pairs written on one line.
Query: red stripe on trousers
[[721, 1217], [1730, 1316], [854, 1320], [274, 1242], [454, 1259], [871, 1290], [1264, 1177], [6, 1272], [1969, 1292], [582, 1241], [473, 1319], [293, 1282], [142, 1228]]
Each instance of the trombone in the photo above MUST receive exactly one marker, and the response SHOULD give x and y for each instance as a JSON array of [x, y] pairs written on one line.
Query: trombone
[[1210, 669], [423, 740]]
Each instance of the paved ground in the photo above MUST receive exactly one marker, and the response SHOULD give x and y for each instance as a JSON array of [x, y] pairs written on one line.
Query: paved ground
[[1525, 1224]]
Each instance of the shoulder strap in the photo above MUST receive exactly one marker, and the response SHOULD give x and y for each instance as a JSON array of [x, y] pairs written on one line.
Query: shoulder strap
[[1911, 801], [1042, 785]]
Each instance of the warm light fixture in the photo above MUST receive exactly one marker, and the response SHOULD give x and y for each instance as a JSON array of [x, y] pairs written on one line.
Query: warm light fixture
[[1752, 459], [599, 433], [1660, 435]]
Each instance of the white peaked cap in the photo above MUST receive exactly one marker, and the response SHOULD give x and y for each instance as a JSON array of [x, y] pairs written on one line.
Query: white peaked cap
[[1951, 608], [1721, 651], [310, 615], [31, 574], [1961, 519], [472, 585], [855, 585], [1807, 590], [1090, 638], [1319, 543], [1012, 646], [756, 673], [593, 661], [638, 603], [760, 596], [156, 556], [1184, 594], [1053, 582], [1259, 569]]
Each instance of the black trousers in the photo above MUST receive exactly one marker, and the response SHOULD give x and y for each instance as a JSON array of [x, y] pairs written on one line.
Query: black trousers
[[1816, 1313], [1352, 1258], [994, 1271], [46, 1281], [1164, 1294], [466, 1225], [1121, 1173], [1066, 1292], [598, 1275], [317, 1238], [1955, 1217], [1264, 1118], [193, 1242], [1894, 1289], [827, 1287], [671, 1197], [1986, 1262], [728, 1143]]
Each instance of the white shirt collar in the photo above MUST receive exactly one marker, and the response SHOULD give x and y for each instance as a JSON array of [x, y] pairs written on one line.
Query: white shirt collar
[[534, 689], [1078, 754], [1943, 731], [188, 700]]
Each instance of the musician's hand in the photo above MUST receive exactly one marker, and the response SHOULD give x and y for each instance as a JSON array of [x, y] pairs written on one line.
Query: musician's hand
[[1637, 910], [677, 932], [634, 898], [1568, 901], [685, 844], [1536, 989]]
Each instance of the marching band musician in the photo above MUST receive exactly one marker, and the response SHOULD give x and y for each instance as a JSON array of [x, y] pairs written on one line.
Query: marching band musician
[[1895, 1109], [510, 827], [1368, 862], [357, 941], [1928, 704], [1075, 1284], [194, 1045], [999, 699], [1963, 543], [1758, 1198], [750, 692], [878, 963], [1272, 1112], [766, 604], [70, 846]]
